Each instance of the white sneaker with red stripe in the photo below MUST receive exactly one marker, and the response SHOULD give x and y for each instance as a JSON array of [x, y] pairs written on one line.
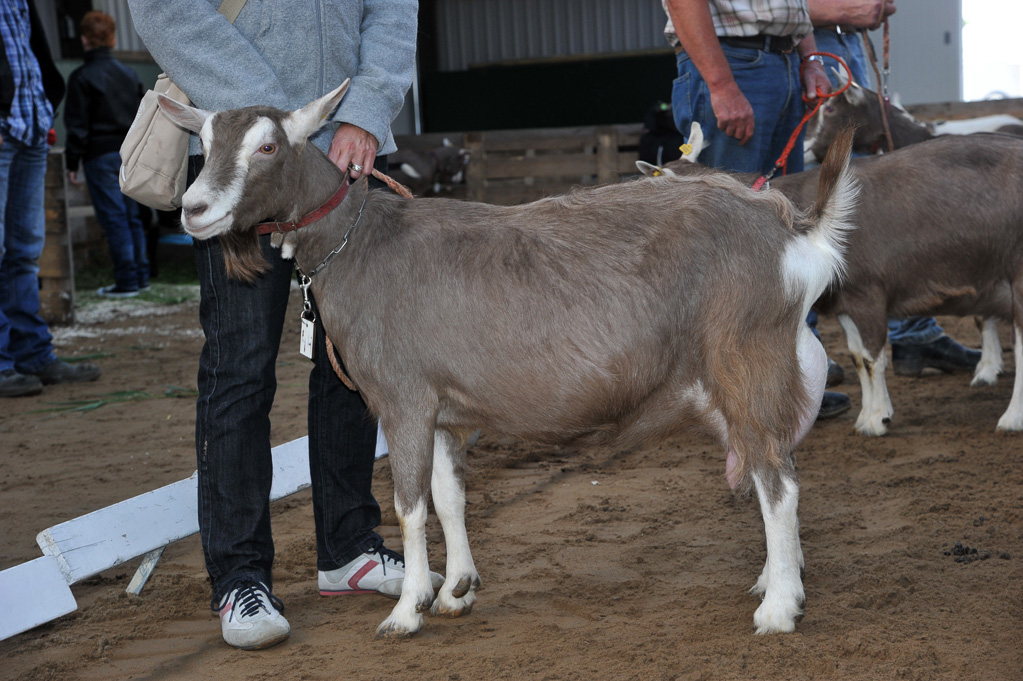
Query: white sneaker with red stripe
[[378, 570], [250, 617]]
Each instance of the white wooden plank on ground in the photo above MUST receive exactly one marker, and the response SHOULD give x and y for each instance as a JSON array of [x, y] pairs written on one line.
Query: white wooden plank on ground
[[97, 541], [31, 594], [102, 539]]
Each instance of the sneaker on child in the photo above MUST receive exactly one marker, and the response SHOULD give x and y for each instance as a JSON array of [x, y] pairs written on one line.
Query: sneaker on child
[[377, 570], [250, 617]]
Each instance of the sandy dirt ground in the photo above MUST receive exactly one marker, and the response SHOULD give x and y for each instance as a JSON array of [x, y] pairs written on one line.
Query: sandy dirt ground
[[596, 565]]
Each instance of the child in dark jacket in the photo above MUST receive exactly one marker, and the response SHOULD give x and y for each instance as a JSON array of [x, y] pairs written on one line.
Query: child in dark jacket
[[102, 99]]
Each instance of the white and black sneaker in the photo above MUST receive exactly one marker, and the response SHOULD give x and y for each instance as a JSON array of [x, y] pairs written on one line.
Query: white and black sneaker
[[250, 617], [377, 570]]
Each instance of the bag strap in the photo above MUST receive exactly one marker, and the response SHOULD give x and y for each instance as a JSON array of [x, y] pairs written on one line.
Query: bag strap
[[230, 9]]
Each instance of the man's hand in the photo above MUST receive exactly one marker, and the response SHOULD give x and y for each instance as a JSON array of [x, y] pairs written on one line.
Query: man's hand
[[352, 144], [72, 177], [733, 111], [815, 80]]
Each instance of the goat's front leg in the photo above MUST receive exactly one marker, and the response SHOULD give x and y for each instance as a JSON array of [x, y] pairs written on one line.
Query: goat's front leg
[[990, 364], [780, 582], [1012, 419], [411, 464], [876, 412], [458, 594]]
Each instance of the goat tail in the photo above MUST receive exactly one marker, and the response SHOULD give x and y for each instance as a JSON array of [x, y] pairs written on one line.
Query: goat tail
[[817, 257]]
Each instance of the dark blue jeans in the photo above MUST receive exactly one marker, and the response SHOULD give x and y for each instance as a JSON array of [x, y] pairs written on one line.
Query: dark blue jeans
[[25, 340], [243, 324], [770, 81], [119, 217]]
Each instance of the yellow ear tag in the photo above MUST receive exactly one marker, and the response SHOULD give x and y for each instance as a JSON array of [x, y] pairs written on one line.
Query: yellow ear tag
[[657, 173], [686, 149]]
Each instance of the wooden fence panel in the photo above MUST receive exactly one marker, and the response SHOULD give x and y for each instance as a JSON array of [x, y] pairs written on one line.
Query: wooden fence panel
[[56, 266], [516, 166]]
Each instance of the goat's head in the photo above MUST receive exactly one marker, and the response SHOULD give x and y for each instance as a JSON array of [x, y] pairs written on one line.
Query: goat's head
[[252, 173], [451, 163], [687, 163], [695, 143], [858, 107]]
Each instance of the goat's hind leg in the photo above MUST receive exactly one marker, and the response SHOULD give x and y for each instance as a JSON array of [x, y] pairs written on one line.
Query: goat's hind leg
[[1012, 419], [876, 412], [458, 594], [411, 465], [990, 364], [781, 582]]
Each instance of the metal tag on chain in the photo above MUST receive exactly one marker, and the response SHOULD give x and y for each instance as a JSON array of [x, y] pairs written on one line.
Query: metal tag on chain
[[308, 319]]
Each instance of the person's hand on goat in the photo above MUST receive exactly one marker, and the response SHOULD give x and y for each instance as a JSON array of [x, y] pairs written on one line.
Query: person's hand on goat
[[353, 145]]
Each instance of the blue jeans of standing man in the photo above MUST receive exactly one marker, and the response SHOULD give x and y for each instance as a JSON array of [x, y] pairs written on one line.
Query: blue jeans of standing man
[[119, 217], [25, 340], [243, 324], [770, 81]]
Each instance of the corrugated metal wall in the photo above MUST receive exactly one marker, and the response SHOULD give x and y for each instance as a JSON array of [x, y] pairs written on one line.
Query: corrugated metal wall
[[472, 32]]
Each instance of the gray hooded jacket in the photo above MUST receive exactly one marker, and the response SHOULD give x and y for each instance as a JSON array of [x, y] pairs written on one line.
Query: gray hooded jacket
[[286, 53]]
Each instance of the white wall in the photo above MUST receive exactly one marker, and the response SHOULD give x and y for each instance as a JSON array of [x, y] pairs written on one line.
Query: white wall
[[926, 51]]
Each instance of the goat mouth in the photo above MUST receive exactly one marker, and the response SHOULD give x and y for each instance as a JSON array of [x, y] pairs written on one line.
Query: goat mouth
[[212, 229]]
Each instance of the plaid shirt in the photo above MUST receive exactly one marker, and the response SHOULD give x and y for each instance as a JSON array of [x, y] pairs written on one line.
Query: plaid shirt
[[31, 112], [742, 18]]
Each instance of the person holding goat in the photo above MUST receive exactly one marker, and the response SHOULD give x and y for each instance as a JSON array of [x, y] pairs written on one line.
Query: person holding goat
[[282, 54]]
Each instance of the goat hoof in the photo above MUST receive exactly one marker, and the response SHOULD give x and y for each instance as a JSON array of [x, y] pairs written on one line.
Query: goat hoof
[[391, 631], [463, 586]]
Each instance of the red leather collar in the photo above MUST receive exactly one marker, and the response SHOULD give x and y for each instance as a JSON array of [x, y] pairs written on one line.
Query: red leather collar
[[309, 218]]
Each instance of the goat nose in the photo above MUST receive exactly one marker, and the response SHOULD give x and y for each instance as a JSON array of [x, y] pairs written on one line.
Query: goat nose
[[194, 210]]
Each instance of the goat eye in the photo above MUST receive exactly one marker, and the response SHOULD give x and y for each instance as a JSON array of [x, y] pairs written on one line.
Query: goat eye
[[268, 149]]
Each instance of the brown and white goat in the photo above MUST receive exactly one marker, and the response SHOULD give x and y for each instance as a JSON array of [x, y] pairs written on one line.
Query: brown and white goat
[[859, 107], [939, 231], [430, 173], [608, 317]]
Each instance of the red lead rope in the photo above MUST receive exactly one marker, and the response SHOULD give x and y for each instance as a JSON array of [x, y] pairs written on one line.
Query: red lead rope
[[783, 160]]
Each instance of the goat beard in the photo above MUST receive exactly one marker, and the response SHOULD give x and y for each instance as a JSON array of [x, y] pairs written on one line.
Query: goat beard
[[243, 257]]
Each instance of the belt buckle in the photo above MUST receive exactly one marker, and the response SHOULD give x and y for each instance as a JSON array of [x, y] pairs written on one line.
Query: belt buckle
[[780, 39]]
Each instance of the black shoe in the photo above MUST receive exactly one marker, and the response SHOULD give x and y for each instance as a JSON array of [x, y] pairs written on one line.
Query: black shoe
[[115, 291], [836, 374], [59, 371], [13, 384], [943, 354], [832, 405]]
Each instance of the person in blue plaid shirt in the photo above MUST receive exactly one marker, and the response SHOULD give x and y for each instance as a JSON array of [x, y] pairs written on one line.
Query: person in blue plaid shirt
[[30, 90]]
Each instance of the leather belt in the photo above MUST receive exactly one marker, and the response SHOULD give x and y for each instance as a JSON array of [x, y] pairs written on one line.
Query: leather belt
[[764, 43]]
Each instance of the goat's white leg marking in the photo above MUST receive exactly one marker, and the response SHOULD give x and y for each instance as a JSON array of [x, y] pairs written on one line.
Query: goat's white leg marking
[[780, 581], [458, 594], [813, 361], [1012, 419], [877, 410], [416, 590], [990, 364]]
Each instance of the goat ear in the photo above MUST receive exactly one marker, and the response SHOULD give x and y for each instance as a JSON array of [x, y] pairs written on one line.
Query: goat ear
[[692, 148], [648, 169], [842, 75], [188, 117], [299, 125]]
